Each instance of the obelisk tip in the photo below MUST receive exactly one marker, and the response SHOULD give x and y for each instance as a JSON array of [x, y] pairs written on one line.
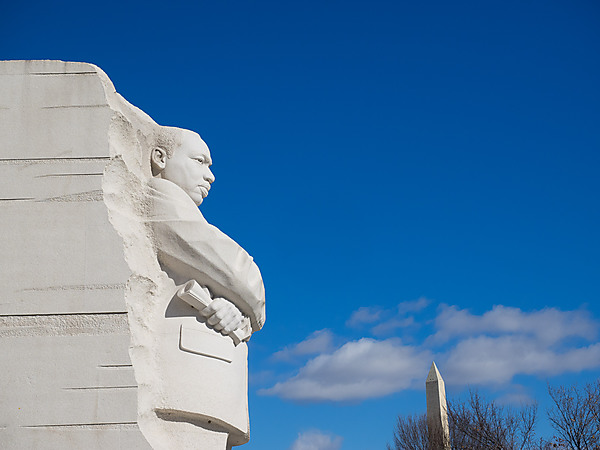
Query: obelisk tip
[[434, 374]]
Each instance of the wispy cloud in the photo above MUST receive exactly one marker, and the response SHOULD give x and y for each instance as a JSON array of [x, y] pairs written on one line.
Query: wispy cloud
[[494, 347], [320, 341], [358, 370], [413, 306], [548, 325], [389, 326], [485, 360], [487, 349], [364, 315], [316, 440], [383, 322]]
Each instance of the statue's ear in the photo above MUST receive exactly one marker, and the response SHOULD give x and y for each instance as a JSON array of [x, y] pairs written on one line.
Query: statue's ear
[[158, 160]]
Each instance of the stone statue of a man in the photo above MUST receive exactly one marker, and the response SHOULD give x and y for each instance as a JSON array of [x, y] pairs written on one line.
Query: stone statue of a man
[[125, 315], [204, 368]]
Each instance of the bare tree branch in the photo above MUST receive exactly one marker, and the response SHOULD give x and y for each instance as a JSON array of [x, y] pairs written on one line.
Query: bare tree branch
[[474, 425], [574, 416]]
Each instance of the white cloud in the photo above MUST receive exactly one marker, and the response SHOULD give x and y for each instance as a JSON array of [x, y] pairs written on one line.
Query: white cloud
[[494, 347], [413, 306], [386, 321], [487, 349], [389, 326], [316, 440], [358, 370], [364, 315], [496, 360], [320, 341], [548, 325]]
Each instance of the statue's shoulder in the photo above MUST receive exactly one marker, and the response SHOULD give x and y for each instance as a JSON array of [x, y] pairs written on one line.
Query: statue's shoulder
[[169, 201], [166, 187]]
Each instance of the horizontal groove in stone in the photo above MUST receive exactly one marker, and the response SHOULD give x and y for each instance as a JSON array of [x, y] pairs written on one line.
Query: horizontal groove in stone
[[63, 324]]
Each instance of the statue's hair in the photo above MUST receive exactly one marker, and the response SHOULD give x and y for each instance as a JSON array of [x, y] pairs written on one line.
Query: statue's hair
[[168, 138]]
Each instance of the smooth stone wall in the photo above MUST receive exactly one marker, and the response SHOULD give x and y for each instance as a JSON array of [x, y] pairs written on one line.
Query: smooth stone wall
[[67, 378]]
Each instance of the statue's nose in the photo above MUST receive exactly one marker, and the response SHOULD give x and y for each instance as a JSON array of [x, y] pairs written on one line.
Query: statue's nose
[[209, 176]]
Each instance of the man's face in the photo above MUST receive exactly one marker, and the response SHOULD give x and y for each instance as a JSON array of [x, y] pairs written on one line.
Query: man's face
[[189, 167]]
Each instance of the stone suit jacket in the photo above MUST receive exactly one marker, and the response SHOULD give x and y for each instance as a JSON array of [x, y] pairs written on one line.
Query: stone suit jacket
[[204, 374], [189, 248]]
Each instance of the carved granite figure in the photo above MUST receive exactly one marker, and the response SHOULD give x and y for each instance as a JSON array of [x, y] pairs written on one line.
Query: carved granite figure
[[189, 248], [125, 315], [206, 377]]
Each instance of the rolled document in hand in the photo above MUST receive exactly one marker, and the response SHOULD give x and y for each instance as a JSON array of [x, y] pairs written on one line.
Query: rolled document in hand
[[195, 296]]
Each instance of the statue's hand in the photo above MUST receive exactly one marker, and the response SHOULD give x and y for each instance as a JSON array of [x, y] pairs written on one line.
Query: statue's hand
[[223, 316]]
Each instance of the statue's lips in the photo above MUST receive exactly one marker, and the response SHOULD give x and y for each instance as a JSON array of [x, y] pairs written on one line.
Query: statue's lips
[[204, 190]]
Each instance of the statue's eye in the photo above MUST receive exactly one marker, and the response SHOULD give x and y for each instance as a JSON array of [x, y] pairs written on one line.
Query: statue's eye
[[200, 160]]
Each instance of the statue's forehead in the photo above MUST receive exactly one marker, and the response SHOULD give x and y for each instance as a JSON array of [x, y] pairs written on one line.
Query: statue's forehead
[[192, 143], [193, 139], [189, 133]]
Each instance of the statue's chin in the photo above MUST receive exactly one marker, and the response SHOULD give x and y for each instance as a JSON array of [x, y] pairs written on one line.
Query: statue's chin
[[196, 197]]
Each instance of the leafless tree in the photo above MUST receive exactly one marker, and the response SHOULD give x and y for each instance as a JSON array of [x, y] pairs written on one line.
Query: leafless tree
[[478, 424], [411, 433], [593, 395], [575, 416], [474, 425]]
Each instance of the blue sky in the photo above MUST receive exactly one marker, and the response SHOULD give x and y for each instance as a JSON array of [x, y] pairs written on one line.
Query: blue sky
[[416, 180]]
